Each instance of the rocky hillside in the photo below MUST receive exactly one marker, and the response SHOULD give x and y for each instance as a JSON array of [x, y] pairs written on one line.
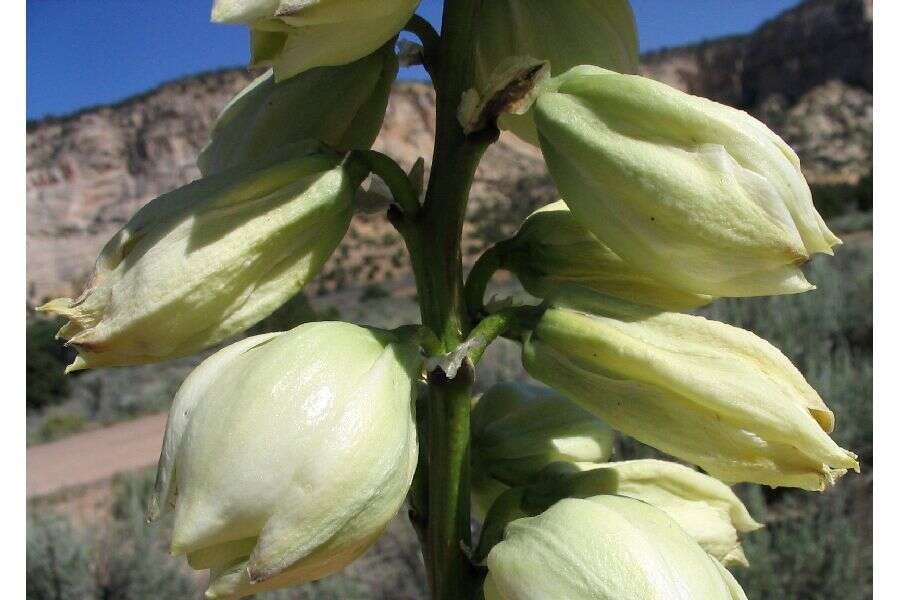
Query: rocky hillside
[[807, 73]]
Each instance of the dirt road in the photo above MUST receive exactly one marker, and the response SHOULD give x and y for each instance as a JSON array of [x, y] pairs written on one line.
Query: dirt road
[[93, 456]]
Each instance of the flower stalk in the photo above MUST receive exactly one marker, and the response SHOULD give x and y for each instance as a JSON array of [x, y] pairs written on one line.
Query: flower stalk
[[443, 306]]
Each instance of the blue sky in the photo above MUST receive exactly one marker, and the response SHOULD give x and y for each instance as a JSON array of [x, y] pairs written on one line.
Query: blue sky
[[86, 52]]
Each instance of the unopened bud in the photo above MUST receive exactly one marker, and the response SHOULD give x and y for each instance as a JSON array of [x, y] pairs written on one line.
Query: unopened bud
[[286, 455], [552, 248], [602, 548], [565, 34], [342, 107], [518, 429], [703, 506], [708, 393], [208, 260], [294, 37], [699, 195]]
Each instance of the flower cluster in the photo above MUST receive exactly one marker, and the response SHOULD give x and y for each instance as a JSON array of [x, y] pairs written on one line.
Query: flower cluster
[[287, 454]]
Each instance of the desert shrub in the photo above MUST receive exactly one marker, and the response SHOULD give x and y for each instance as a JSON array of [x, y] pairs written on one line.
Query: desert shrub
[[844, 380], [121, 560], [373, 291], [833, 199], [45, 361], [852, 221], [131, 557], [864, 193], [131, 494], [808, 326], [57, 559], [814, 546], [60, 424], [336, 587]]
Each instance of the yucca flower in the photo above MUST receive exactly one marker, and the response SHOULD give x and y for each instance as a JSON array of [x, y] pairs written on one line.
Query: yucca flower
[[603, 548], [552, 248], [565, 34], [707, 509], [708, 393], [293, 36], [343, 107], [286, 455], [518, 429], [208, 260], [697, 194]]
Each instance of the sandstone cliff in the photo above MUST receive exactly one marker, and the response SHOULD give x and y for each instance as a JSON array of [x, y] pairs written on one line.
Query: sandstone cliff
[[808, 73]]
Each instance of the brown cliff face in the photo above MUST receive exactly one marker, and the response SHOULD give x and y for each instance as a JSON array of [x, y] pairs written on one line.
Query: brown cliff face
[[808, 73]]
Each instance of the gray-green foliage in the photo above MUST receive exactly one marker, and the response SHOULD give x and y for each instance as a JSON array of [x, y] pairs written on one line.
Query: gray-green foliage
[[835, 199], [121, 560], [827, 333], [127, 560], [105, 396], [814, 547], [58, 560], [45, 359], [818, 546], [336, 587]]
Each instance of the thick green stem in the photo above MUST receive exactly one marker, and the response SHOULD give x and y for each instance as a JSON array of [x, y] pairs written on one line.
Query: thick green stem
[[434, 234], [452, 171], [448, 531], [443, 304]]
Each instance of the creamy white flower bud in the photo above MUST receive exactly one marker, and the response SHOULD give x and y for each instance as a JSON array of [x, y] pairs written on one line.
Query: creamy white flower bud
[[519, 429], [294, 36], [210, 259], [341, 106], [708, 393], [707, 509], [603, 548], [286, 455], [552, 248], [700, 195]]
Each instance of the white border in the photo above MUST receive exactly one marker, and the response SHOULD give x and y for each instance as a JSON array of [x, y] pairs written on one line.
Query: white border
[[886, 258], [12, 296], [887, 295]]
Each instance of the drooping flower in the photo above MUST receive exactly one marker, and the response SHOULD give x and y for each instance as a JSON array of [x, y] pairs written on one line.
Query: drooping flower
[[518, 429], [552, 248], [286, 455], [294, 36], [208, 260], [708, 393], [707, 509], [697, 194], [342, 107], [603, 548]]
